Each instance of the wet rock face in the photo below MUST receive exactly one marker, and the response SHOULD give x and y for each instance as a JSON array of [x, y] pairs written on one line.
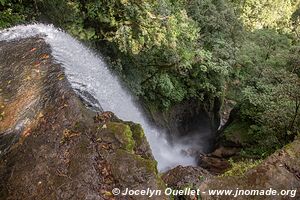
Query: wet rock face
[[28, 84], [52, 146]]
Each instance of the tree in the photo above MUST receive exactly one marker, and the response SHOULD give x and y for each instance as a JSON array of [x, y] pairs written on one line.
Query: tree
[[276, 14], [13, 12], [268, 90]]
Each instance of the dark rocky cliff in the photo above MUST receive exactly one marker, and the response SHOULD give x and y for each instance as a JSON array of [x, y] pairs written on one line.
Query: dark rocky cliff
[[51, 145]]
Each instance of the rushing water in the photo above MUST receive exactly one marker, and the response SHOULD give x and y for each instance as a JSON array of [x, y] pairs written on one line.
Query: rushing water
[[87, 72]]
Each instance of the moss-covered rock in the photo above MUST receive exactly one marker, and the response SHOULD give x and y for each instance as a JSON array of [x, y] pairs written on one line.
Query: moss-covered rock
[[240, 167], [134, 168], [137, 134], [123, 134], [129, 160], [185, 177], [142, 146]]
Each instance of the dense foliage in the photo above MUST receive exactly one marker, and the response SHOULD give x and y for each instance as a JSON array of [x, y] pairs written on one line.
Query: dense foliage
[[269, 88], [275, 14], [171, 51], [13, 12]]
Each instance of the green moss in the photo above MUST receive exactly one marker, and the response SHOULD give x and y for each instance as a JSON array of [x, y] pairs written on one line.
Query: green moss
[[293, 149], [137, 134], [123, 134], [149, 165], [135, 162], [239, 168], [201, 178]]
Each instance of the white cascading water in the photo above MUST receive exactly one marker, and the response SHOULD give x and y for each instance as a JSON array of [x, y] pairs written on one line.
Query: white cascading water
[[86, 71]]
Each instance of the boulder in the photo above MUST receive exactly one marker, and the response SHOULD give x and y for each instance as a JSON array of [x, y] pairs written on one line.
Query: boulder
[[185, 177], [213, 164]]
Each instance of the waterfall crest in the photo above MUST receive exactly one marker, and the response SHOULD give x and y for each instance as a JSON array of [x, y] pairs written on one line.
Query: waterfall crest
[[88, 73]]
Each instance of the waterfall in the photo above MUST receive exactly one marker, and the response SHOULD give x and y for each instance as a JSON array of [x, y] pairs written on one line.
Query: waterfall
[[87, 72]]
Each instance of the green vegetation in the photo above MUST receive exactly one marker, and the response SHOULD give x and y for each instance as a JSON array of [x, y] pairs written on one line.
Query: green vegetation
[[168, 52], [14, 12], [241, 167], [275, 14], [123, 134], [266, 86], [137, 134]]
